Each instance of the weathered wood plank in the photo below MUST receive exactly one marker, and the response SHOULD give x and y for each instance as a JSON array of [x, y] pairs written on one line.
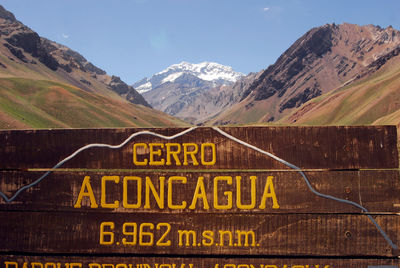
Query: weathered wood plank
[[205, 192], [165, 262], [272, 191], [198, 234], [305, 147]]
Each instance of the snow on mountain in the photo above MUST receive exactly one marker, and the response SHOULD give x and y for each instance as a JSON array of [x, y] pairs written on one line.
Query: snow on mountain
[[178, 87], [144, 87], [207, 71], [172, 77]]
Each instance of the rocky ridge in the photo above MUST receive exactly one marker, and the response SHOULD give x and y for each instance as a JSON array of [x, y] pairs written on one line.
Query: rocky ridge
[[371, 98], [21, 45], [318, 62]]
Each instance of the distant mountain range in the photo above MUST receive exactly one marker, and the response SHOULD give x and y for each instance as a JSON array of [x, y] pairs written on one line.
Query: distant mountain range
[[212, 72], [45, 84], [178, 88]]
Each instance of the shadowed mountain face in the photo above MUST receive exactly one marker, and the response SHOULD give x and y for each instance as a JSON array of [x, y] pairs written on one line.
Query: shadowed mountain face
[[47, 85], [318, 62]]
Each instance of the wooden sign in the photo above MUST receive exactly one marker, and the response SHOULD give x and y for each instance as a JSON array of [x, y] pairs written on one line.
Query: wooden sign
[[200, 197]]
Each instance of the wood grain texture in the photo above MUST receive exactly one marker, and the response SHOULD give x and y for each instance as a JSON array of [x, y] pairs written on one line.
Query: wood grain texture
[[377, 191], [306, 147], [174, 262], [198, 212], [274, 234]]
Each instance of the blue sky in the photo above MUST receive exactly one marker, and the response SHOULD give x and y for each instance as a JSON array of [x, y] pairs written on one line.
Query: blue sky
[[137, 38]]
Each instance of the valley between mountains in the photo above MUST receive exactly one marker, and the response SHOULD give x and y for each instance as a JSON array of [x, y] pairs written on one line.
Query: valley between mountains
[[343, 74]]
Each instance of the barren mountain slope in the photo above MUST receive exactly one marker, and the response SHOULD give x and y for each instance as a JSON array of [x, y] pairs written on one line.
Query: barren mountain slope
[[318, 62], [45, 84], [372, 99]]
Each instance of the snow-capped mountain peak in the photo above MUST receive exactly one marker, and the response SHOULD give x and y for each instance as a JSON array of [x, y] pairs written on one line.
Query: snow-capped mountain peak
[[207, 71]]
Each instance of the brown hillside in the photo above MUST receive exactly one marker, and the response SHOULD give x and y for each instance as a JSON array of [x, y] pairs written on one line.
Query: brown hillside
[[318, 62], [372, 99], [23, 53], [47, 85]]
